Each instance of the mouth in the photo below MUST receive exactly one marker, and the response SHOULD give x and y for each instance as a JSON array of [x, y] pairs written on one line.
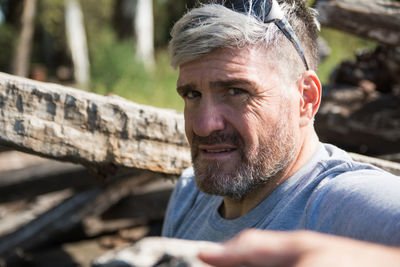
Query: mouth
[[216, 152], [223, 150]]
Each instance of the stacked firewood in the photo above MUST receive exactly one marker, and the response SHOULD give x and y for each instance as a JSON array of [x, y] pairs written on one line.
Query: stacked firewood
[[361, 106], [47, 202]]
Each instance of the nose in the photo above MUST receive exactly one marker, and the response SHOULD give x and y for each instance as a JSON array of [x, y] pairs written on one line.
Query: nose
[[208, 118]]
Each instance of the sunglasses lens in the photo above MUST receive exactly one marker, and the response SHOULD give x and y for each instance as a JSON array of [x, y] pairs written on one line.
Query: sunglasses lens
[[267, 11], [258, 8]]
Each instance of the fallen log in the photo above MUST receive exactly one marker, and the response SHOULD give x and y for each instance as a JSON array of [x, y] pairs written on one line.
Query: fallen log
[[16, 215], [15, 160], [40, 228], [144, 204], [361, 122], [389, 166], [377, 19], [99, 132], [38, 225], [37, 176]]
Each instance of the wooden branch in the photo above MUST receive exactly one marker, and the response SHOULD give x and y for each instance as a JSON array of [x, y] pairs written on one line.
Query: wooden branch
[[99, 132], [375, 19], [389, 166], [143, 204], [30, 228], [352, 119], [30, 181], [15, 160], [41, 227], [15, 216]]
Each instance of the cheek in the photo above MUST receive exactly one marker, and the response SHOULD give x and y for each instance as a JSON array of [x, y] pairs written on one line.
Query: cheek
[[257, 125], [249, 128]]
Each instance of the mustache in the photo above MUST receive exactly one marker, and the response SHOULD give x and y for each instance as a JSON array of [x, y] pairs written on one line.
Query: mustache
[[217, 137]]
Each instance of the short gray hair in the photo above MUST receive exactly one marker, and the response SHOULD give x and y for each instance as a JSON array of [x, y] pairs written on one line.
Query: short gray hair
[[213, 26]]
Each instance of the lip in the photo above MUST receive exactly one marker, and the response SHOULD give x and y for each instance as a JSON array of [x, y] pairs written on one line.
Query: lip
[[216, 152]]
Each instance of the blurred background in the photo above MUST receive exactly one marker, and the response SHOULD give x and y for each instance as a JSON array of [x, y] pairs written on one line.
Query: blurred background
[[113, 46]]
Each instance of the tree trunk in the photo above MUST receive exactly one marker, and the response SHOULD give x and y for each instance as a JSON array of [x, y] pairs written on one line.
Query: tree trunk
[[76, 37], [143, 24], [24, 44], [377, 20]]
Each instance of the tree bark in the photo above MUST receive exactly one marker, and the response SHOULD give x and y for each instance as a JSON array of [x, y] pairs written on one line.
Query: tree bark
[[100, 132], [23, 51], [377, 20]]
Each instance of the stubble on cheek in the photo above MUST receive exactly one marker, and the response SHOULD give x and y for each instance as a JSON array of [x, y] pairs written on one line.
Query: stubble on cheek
[[213, 176], [256, 166]]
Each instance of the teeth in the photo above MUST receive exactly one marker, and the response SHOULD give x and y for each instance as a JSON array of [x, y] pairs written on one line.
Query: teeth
[[217, 150]]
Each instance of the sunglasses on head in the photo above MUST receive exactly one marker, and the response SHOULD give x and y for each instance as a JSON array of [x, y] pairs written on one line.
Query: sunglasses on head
[[268, 11]]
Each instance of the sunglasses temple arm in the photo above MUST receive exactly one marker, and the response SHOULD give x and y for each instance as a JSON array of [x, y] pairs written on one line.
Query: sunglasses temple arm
[[285, 27]]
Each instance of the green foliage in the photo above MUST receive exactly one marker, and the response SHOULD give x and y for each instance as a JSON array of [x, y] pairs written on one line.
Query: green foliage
[[97, 14], [343, 46], [166, 13], [51, 18], [115, 71]]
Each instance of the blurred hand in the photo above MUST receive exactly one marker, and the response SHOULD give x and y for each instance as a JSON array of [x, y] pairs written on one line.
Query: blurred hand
[[260, 248]]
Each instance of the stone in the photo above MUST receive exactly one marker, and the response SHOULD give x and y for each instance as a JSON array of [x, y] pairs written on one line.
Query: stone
[[156, 251]]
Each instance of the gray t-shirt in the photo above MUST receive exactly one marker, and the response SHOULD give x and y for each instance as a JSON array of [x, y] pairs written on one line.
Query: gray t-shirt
[[330, 194]]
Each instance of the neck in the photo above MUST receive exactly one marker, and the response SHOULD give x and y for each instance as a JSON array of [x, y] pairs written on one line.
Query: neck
[[232, 208]]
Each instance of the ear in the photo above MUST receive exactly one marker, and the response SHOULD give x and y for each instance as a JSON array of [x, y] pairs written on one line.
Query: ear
[[310, 96]]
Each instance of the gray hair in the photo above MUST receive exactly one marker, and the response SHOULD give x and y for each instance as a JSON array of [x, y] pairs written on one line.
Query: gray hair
[[213, 26]]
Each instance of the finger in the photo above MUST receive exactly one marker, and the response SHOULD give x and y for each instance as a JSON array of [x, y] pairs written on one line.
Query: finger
[[217, 257], [252, 248]]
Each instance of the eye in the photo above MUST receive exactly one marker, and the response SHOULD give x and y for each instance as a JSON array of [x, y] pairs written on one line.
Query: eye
[[191, 94], [236, 91]]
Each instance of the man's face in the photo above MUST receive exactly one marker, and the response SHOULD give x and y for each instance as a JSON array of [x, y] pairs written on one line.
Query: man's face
[[237, 120]]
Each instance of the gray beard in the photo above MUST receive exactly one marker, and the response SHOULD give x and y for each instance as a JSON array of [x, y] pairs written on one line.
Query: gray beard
[[256, 168]]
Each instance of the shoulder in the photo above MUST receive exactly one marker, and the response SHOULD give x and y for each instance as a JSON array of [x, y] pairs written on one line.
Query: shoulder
[[185, 191], [183, 198], [357, 200], [345, 177]]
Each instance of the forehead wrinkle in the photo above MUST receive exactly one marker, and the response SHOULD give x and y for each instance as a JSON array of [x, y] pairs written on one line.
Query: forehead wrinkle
[[249, 64], [230, 82]]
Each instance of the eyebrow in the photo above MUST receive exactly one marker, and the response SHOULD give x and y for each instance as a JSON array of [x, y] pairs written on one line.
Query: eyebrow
[[185, 88], [215, 84], [230, 83]]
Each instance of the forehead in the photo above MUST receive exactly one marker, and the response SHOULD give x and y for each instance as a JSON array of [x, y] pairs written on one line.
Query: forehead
[[249, 63]]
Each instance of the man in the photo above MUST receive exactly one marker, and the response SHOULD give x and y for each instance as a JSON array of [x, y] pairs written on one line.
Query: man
[[247, 76]]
